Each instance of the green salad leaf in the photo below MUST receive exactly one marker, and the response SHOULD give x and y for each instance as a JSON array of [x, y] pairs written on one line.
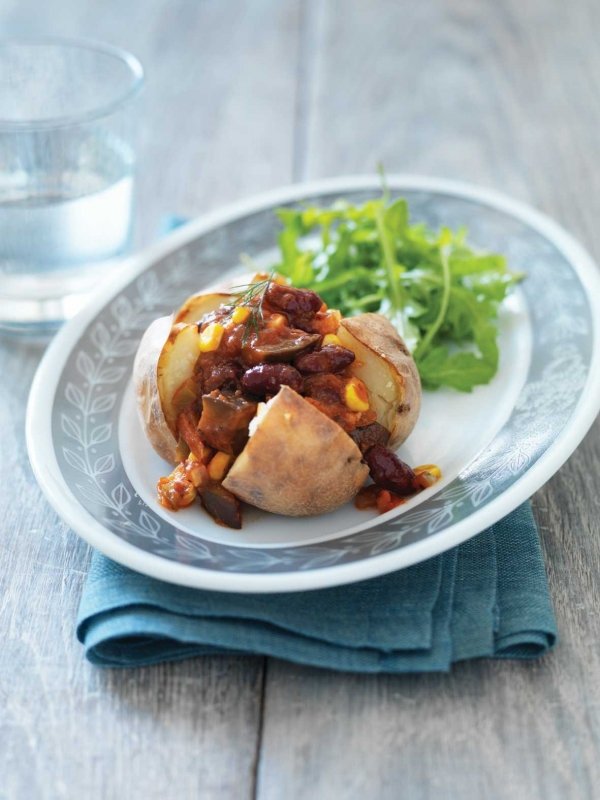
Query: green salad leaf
[[440, 293]]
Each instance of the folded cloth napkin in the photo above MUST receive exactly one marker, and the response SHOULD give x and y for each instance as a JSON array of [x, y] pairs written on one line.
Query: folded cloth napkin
[[486, 598]]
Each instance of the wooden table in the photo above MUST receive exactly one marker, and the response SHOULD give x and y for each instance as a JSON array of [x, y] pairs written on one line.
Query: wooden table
[[241, 97]]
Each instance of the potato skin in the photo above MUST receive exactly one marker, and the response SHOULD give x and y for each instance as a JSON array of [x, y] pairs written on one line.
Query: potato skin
[[146, 390], [298, 462], [377, 334]]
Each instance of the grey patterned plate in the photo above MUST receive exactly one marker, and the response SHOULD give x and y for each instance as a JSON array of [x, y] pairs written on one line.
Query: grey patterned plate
[[496, 446]]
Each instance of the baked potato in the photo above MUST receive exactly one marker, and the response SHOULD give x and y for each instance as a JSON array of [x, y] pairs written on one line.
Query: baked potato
[[313, 466], [273, 399]]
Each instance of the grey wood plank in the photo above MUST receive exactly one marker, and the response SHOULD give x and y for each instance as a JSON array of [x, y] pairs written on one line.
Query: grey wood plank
[[515, 106], [218, 122], [503, 94]]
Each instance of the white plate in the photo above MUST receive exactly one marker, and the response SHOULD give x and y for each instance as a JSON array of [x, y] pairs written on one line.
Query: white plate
[[495, 446]]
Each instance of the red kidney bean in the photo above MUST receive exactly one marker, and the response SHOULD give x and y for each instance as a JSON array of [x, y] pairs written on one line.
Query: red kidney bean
[[225, 375], [389, 472], [331, 358], [269, 378], [325, 387], [300, 305], [293, 300], [370, 435]]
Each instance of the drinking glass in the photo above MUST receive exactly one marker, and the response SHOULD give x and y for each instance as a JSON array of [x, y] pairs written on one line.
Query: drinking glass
[[68, 114]]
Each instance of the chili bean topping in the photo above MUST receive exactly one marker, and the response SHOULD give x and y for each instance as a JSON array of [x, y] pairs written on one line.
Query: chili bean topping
[[225, 420], [276, 342], [276, 345], [300, 305], [370, 435], [218, 315], [267, 379], [223, 375], [389, 472], [223, 506], [326, 388], [331, 358], [186, 426]]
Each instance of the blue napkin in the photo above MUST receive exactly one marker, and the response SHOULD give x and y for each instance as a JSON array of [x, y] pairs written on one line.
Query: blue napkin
[[486, 598]]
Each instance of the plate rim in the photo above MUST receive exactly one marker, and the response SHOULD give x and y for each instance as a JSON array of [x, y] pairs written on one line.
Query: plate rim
[[38, 416]]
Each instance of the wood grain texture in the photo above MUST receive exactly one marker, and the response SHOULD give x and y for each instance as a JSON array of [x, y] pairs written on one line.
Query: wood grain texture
[[504, 94], [219, 116], [242, 97]]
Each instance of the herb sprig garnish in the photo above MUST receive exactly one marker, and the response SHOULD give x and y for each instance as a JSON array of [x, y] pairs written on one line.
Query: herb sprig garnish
[[252, 296]]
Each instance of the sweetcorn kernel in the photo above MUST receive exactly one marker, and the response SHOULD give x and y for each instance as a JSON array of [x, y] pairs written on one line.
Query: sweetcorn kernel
[[240, 314], [427, 475], [356, 396], [431, 469], [218, 466], [331, 338], [210, 338], [195, 471], [276, 321], [326, 321]]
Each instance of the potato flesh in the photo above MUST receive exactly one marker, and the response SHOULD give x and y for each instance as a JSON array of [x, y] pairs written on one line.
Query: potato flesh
[[179, 355], [197, 305], [377, 375], [176, 365], [389, 371]]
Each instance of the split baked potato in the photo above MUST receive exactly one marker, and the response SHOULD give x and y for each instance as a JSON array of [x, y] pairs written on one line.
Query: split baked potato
[[302, 450]]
